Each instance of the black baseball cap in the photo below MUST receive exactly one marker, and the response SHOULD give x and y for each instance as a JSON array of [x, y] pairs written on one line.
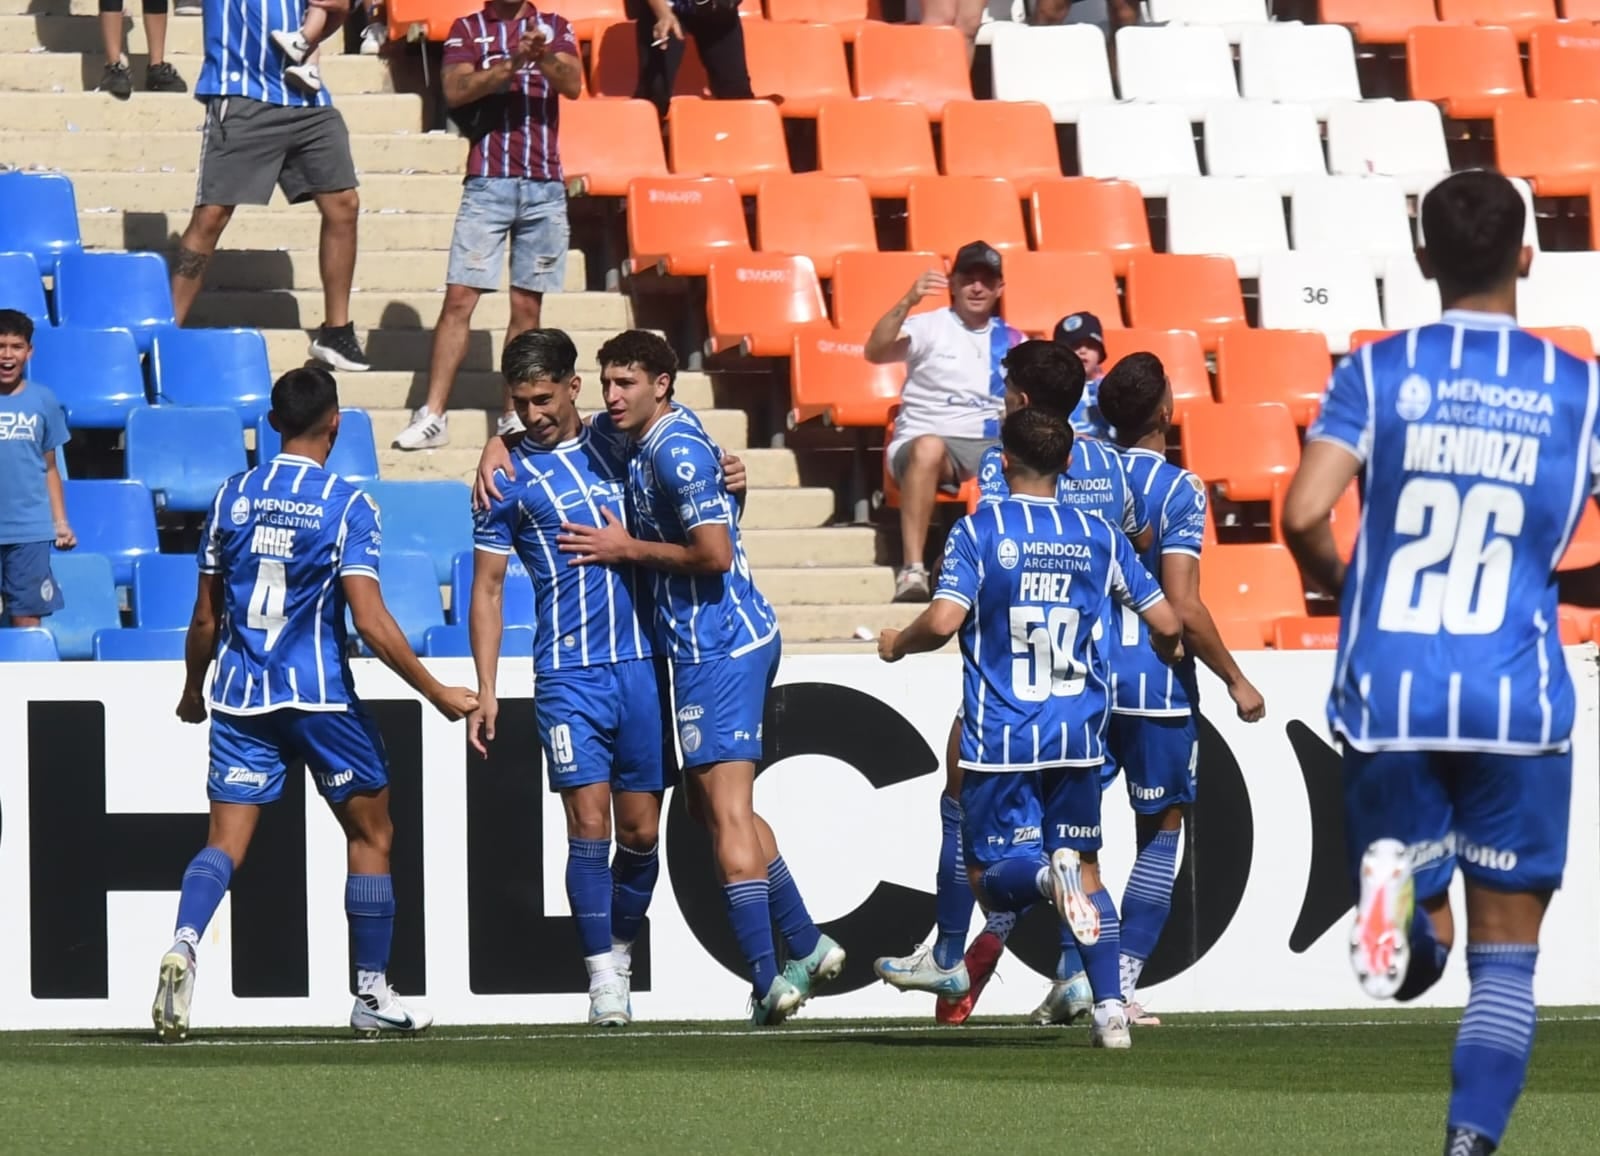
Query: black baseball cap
[[1077, 328], [977, 256]]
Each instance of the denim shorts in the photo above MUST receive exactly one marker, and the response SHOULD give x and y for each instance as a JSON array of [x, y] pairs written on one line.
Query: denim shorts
[[531, 214]]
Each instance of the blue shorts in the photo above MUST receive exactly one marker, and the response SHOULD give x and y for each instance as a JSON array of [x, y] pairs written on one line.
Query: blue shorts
[[342, 749], [1501, 818], [1007, 814], [27, 588], [720, 704], [1157, 755], [530, 215], [605, 724]]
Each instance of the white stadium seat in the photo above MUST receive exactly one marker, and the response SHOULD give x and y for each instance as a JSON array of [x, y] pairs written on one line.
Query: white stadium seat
[[1239, 217], [1235, 17], [1365, 215], [1333, 293], [1530, 226], [1149, 144], [1063, 67], [1190, 66], [1311, 64], [1403, 139], [1409, 298], [1256, 138], [1561, 289]]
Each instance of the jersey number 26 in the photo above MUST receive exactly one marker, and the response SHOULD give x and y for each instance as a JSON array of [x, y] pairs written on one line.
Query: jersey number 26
[[1473, 531]]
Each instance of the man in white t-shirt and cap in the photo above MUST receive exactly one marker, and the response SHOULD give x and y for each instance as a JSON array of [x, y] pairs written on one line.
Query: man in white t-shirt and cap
[[954, 396]]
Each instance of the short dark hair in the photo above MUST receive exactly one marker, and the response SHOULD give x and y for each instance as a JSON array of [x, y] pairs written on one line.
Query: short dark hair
[[1472, 225], [535, 354], [15, 323], [1051, 375], [1131, 394], [1036, 440], [302, 399], [649, 351]]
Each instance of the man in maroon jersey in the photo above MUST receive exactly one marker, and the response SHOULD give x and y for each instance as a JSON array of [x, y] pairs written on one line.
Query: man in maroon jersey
[[505, 69]]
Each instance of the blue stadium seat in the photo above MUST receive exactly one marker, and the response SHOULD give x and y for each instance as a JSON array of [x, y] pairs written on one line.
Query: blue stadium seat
[[27, 644], [516, 602], [213, 367], [411, 591], [114, 291], [39, 215], [90, 594], [433, 518], [115, 518], [20, 287], [184, 454], [452, 642], [94, 373], [355, 454], [163, 591], [138, 645]]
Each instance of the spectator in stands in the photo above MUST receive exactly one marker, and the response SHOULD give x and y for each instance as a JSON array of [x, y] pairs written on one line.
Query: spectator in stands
[[954, 395], [117, 79], [504, 69], [1109, 14], [260, 132], [33, 504], [1081, 333], [714, 24]]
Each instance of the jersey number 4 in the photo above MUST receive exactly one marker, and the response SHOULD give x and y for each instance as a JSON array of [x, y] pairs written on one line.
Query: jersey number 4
[[267, 599], [1473, 531], [1041, 653]]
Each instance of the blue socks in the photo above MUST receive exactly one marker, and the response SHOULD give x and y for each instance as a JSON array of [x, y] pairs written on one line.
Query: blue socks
[[1148, 897], [205, 882], [369, 904], [633, 881], [1014, 884], [789, 911], [1491, 1058], [953, 895], [750, 912], [589, 894], [1428, 957], [1071, 961], [1102, 960]]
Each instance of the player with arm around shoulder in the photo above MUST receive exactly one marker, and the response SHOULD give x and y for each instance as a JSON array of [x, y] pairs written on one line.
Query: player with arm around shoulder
[[286, 546]]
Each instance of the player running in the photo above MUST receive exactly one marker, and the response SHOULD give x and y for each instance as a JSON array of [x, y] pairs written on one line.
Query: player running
[[722, 638], [1152, 737], [1025, 582], [1477, 446], [285, 547], [601, 703]]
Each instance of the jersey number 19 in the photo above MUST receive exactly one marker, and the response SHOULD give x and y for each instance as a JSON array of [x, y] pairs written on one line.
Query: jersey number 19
[[1469, 597]]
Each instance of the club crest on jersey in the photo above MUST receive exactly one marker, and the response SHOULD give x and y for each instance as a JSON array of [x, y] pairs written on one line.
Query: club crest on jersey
[[689, 736], [1009, 554], [1415, 398], [239, 512]]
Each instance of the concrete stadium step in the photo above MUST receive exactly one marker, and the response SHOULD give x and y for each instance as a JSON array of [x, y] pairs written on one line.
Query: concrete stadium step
[[395, 311], [269, 227], [82, 34], [409, 348], [826, 585], [821, 546], [115, 152], [471, 427], [80, 71], [386, 271], [68, 8], [828, 623], [166, 192], [849, 646], [178, 112], [772, 470], [475, 389]]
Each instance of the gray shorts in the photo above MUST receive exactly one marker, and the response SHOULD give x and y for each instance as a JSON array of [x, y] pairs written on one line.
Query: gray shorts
[[248, 147], [965, 454], [529, 216]]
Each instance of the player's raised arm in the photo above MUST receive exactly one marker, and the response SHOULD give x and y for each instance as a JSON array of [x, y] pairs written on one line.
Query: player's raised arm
[[1336, 447]]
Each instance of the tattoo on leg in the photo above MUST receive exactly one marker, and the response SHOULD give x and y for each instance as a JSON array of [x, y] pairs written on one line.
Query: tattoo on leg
[[190, 263]]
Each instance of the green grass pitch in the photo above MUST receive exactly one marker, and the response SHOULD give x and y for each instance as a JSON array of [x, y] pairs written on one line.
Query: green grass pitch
[[1283, 1083]]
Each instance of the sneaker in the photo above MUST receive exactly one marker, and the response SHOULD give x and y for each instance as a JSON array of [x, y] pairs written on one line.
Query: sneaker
[[608, 1006], [304, 77], [508, 424], [1140, 1017], [1076, 909], [116, 80], [427, 431], [980, 960], [174, 991], [1380, 938], [372, 38], [1113, 1033], [777, 1005], [378, 1012], [163, 78], [1067, 1001], [1466, 1142], [340, 349], [918, 972], [911, 584], [625, 978], [292, 45], [824, 963]]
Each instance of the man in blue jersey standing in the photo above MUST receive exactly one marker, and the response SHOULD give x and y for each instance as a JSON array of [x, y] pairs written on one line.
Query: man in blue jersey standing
[[1026, 581], [1477, 446], [600, 701], [286, 546]]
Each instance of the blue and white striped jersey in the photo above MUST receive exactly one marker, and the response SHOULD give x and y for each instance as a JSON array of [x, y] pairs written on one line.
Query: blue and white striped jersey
[[585, 615], [1478, 445], [1034, 578], [1087, 420], [241, 59], [1140, 682], [1094, 481], [675, 484], [282, 535]]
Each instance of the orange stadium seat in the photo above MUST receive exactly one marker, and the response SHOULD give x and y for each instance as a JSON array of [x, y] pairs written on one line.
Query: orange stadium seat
[[1345, 518], [1573, 338], [814, 215], [1378, 21], [434, 17], [1555, 144], [1564, 62], [1185, 291], [803, 63], [945, 213], [1239, 633], [614, 64], [829, 378], [1584, 549], [1306, 633], [1042, 288], [677, 224], [1283, 365], [848, 16], [1367, 336], [865, 285], [884, 142], [756, 301], [1248, 451], [741, 139], [609, 142], [1086, 215], [1467, 70], [1181, 356], [1518, 15], [1257, 582], [589, 18], [996, 138], [1581, 9], [920, 62]]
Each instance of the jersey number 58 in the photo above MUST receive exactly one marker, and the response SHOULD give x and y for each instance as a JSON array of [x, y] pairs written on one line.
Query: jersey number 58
[[1041, 647]]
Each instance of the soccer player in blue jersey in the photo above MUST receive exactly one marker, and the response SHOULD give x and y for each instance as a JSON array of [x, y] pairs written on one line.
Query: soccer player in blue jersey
[[600, 701], [1153, 737], [722, 638], [1476, 443], [286, 546], [1025, 581]]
